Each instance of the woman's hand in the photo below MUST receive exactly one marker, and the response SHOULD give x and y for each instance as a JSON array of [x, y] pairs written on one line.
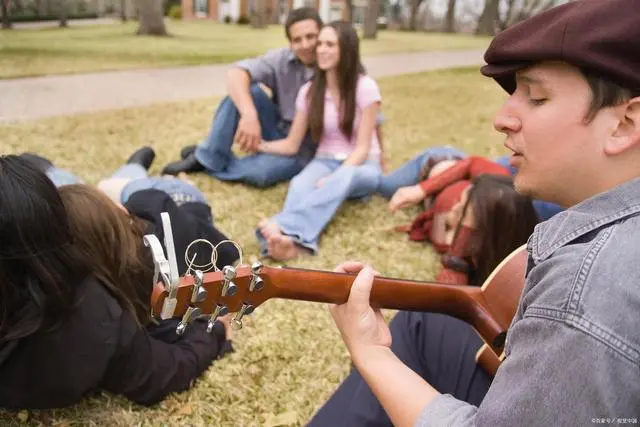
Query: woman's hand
[[226, 322], [405, 197], [361, 326]]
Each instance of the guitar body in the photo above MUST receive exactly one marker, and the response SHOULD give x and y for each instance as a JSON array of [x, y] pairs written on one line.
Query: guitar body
[[489, 309]]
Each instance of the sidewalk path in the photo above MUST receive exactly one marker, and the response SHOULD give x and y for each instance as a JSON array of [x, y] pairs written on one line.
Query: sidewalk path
[[39, 97]]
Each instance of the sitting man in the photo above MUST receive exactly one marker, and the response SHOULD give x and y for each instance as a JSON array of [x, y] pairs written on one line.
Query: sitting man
[[248, 116], [572, 352]]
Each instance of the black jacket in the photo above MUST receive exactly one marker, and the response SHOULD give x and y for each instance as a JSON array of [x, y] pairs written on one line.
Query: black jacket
[[99, 346], [189, 221]]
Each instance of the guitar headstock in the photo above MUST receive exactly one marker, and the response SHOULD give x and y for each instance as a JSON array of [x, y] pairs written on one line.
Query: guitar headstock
[[237, 290]]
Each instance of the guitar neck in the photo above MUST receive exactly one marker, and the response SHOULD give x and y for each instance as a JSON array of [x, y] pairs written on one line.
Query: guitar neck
[[464, 302]]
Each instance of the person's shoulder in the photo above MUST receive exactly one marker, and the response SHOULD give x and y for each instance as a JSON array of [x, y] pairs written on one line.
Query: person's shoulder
[[367, 82], [281, 54]]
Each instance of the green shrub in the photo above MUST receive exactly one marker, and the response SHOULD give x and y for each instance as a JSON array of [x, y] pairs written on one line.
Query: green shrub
[[243, 20], [227, 19], [175, 12]]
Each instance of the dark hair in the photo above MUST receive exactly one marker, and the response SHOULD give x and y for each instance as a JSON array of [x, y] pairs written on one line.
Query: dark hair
[[301, 14], [349, 68], [504, 220], [604, 93], [111, 240], [39, 265]]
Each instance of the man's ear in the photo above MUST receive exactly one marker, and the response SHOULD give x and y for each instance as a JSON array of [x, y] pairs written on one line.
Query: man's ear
[[627, 132]]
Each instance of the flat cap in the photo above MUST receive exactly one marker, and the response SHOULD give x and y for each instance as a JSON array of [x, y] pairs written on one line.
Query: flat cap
[[602, 36]]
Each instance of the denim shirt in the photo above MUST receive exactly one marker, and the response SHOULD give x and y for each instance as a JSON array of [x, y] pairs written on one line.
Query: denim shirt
[[573, 348]]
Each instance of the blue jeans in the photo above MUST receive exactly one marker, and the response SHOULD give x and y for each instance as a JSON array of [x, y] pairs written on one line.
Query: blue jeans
[[181, 192], [61, 177], [307, 210], [260, 169], [409, 174]]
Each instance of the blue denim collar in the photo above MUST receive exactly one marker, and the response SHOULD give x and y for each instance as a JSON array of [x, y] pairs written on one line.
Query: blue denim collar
[[598, 211]]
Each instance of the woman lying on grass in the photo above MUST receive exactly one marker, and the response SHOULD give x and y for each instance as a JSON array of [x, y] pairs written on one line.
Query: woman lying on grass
[[68, 326]]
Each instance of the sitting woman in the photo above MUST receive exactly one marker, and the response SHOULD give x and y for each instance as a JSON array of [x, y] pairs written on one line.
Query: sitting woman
[[65, 331], [433, 177], [492, 219], [340, 106]]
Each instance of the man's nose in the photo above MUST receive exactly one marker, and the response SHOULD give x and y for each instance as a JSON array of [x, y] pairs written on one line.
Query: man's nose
[[506, 121]]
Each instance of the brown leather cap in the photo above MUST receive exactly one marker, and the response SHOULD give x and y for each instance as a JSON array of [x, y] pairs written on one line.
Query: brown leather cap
[[602, 36]]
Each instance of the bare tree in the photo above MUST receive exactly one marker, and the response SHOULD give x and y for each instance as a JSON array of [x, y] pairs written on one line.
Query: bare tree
[[6, 17], [151, 18], [258, 14], [370, 30], [490, 18], [519, 10], [123, 10], [450, 18], [349, 6], [63, 13], [413, 14]]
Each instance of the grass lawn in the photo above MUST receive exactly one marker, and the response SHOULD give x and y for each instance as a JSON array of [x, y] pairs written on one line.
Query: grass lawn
[[289, 355], [29, 52]]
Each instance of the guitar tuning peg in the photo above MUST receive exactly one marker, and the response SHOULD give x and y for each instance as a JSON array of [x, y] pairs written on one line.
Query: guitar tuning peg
[[199, 293], [220, 310], [189, 316], [257, 284], [229, 288], [246, 309]]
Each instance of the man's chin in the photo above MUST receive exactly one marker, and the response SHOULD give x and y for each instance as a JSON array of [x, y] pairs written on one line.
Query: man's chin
[[307, 60]]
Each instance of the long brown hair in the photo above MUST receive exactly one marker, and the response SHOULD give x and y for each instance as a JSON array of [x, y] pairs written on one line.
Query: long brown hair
[[111, 241], [349, 68], [504, 220]]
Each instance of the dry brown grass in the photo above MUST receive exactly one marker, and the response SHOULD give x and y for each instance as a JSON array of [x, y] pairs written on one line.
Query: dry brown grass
[[289, 356], [109, 47]]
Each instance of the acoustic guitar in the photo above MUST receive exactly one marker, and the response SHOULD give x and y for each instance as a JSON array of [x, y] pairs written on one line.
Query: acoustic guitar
[[489, 308]]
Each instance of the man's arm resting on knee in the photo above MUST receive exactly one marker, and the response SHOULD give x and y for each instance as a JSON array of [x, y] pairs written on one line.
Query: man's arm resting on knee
[[238, 84]]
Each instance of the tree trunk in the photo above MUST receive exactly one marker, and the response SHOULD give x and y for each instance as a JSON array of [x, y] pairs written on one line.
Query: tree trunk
[[258, 14], [151, 18], [6, 18], [63, 13], [349, 5], [450, 19], [123, 10], [488, 19], [413, 17], [371, 19]]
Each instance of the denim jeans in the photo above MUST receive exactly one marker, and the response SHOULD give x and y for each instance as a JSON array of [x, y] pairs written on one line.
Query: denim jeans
[[260, 169], [180, 191], [61, 177], [307, 209], [409, 174]]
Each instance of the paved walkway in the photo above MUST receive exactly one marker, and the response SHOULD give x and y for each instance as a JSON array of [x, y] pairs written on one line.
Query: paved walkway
[[71, 22], [39, 97]]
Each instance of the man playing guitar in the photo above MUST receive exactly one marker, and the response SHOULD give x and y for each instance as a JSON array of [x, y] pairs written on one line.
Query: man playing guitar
[[572, 122]]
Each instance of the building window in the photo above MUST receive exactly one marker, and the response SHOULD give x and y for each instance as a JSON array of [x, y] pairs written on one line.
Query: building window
[[201, 8]]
